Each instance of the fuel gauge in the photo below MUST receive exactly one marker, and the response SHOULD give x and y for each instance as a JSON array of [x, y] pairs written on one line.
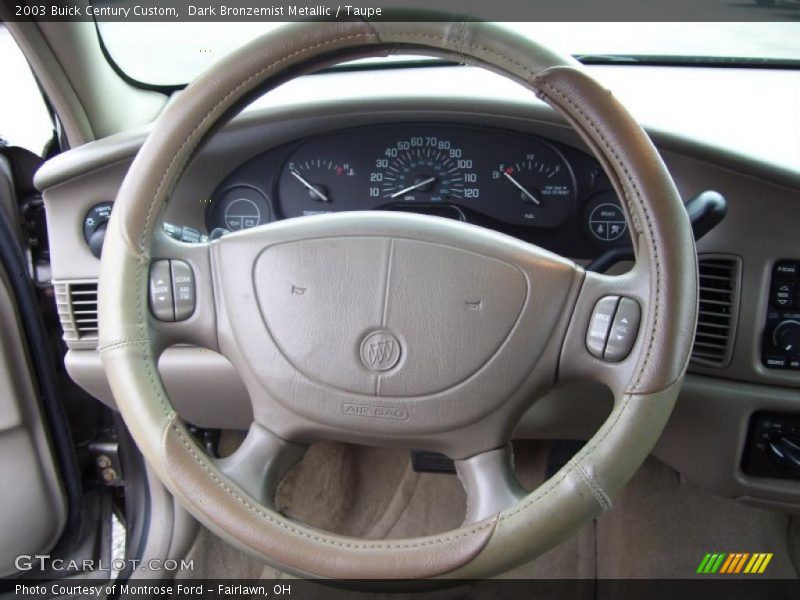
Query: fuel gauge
[[538, 188]]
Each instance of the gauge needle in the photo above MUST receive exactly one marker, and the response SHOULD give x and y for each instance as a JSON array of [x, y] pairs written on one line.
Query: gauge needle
[[521, 188], [411, 188], [310, 186]]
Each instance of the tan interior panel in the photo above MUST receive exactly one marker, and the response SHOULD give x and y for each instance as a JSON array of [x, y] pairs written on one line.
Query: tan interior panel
[[34, 507]]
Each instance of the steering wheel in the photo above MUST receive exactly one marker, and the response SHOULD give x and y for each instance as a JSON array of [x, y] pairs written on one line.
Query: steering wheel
[[394, 329]]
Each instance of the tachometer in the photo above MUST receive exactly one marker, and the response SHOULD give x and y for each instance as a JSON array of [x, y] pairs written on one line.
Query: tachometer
[[423, 169], [538, 186]]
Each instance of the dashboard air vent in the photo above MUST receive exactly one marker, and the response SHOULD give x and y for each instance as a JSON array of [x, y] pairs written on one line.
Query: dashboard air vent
[[719, 306], [77, 309]]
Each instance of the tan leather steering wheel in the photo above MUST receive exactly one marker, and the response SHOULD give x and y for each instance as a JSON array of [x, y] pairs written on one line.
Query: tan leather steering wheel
[[448, 377]]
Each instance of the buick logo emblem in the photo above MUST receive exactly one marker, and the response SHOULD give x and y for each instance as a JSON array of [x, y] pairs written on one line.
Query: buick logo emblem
[[380, 351]]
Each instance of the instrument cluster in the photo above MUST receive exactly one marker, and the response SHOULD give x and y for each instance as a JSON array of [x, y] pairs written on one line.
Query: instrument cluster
[[535, 189]]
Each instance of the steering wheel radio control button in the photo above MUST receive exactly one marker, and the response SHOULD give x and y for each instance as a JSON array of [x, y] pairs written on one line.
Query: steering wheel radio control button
[[161, 299], [182, 289], [600, 325], [613, 328], [172, 294], [623, 330]]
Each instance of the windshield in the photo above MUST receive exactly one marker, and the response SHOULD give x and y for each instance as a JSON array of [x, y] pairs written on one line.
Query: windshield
[[173, 54]]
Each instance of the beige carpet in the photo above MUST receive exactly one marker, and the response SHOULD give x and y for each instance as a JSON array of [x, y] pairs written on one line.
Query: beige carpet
[[660, 527]]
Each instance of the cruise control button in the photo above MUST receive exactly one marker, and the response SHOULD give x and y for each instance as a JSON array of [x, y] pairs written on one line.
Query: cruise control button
[[623, 331], [161, 303], [600, 324], [182, 289]]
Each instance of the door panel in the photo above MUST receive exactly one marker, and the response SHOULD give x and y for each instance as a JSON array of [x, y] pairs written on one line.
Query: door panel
[[32, 503]]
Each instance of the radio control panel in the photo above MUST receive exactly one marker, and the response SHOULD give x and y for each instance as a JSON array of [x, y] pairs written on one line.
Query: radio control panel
[[781, 343]]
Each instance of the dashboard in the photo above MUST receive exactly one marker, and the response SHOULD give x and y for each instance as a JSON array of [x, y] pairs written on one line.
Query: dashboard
[[328, 144], [529, 187]]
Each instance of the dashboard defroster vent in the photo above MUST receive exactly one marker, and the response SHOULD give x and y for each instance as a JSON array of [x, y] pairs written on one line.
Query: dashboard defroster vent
[[77, 310], [720, 277]]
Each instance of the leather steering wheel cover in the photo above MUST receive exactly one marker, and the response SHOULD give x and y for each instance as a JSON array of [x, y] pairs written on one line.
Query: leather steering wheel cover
[[583, 488]]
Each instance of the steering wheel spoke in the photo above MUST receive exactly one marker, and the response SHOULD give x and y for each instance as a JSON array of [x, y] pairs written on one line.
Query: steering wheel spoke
[[258, 465], [490, 483]]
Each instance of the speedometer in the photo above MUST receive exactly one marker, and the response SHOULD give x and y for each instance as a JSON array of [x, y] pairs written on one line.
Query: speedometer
[[489, 177], [423, 169]]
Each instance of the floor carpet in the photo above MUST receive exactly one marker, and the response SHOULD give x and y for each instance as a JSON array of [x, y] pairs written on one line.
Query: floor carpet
[[659, 527]]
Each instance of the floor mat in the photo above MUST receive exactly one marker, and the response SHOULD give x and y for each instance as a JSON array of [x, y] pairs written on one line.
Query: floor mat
[[659, 527]]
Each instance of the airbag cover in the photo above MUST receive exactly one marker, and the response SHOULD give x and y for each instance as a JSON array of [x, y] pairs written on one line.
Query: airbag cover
[[386, 316]]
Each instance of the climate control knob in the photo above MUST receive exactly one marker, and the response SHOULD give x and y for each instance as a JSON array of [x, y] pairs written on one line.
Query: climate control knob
[[785, 451], [786, 337]]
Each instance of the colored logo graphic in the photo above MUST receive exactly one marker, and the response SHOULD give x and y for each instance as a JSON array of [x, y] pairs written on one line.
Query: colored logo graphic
[[735, 563]]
